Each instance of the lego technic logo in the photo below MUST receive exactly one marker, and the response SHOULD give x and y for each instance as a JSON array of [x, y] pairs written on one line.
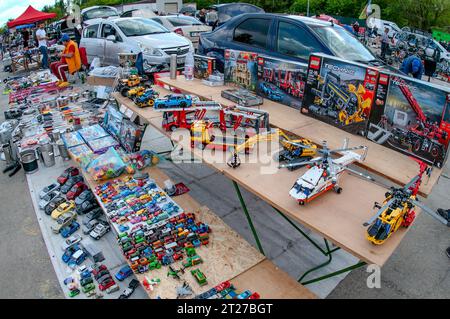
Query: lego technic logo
[[339, 69]]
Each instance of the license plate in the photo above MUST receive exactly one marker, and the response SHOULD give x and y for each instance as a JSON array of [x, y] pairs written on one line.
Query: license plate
[[196, 34], [180, 60]]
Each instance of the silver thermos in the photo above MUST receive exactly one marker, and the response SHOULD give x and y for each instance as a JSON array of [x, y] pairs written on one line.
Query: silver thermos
[[173, 66]]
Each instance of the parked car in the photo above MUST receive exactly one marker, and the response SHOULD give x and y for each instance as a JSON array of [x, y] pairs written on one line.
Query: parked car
[[53, 205], [138, 13], [287, 37], [100, 230], [226, 11], [47, 199], [64, 220], [86, 195], [63, 208], [87, 228], [106, 38], [131, 288], [76, 190], [96, 12], [70, 229], [94, 214], [185, 26], [124, 273], [48, 189], [69, 242], [69, 172], [70, 183]]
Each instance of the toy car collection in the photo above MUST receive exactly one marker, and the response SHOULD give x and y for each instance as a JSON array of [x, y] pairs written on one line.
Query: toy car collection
[[76, 190], [63, 208], [70, 183], [48, 189], [47, 199], [70, 172], [62, 221], [71, 241], [86, 195], [100, 230]]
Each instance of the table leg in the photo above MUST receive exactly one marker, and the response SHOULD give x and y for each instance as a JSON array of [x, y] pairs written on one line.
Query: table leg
[[249, 218], [326, 252]]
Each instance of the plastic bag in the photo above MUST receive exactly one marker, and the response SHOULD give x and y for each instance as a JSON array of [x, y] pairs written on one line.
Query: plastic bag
[[106, 166], [95, 64]]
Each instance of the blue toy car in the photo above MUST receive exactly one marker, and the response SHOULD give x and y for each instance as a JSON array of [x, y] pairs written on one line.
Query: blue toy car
[[69, 230], [173, 101], [123, 228], [77, 258], [271, 92], [69, 252], [124, 273]]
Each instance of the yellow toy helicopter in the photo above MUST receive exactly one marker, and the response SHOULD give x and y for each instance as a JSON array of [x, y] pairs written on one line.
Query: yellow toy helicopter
[[397, 210]]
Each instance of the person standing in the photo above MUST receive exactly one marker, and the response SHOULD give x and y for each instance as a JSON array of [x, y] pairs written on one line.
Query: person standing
[[41, 36], [384, 43]]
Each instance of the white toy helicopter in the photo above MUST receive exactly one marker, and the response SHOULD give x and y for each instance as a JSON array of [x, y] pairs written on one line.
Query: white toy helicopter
[[325, 173]]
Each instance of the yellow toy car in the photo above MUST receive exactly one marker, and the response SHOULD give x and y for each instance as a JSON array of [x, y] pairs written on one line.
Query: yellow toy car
[[61, 209]]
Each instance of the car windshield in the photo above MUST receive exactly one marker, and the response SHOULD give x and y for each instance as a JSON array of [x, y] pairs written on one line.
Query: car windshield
[[99, 13], [140, 27], [179, 21], [343, 44]]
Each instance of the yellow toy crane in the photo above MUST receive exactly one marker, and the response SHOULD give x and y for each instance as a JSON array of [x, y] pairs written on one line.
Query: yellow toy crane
[[358, 116]]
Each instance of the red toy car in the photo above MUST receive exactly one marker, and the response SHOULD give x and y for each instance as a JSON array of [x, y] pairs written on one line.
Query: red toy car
[[71, 171], [76, 190], [97, 269], [106, 284]]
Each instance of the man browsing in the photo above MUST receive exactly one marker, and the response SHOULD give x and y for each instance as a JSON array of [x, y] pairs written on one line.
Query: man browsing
[[41, 36]]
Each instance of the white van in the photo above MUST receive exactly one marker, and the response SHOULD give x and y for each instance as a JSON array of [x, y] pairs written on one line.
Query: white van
[[382, 24]]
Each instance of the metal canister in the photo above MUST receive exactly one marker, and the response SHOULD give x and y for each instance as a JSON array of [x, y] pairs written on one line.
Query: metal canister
[[63, 151], [173, 66], [29, 161], [47, 154]]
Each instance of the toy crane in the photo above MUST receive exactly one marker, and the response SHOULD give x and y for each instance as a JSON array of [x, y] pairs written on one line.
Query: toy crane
[[397, 209], [325, 173]]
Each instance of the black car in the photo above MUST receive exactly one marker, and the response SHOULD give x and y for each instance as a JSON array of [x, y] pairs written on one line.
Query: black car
[[53, 205], [87, 195], [70, 182], [287, 37], [86, 206], [94, 214], [129, 291]]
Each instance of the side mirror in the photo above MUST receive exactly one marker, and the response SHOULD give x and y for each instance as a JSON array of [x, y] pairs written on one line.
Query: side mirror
[[111, 38]]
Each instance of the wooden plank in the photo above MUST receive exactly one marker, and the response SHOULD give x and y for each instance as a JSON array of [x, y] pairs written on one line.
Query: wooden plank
[[270, 282], [338, 218], [381, 160]]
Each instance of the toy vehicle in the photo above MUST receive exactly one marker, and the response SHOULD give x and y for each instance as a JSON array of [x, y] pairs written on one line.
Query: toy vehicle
[[325, 173], [89, 287], [112, 289], [87, 228], [77, 258], [135, 92], [199, 276], [86, 206], [74, 292], [69, 252], [124, 273], [48, 189], [70, 183], [96, 269], [295, 151], [62, 221], [93, 214], [86, 195], [131, 288], [76, 190], [86, 281], [106, 284], [271, 91], [54, 203], [192, 261], [397, 210], [245, 295], [69, 172], [147, 99], [47, 199], [242, 97], [100, 230], [126, 84], [70, 229], [71, 241], [62, 208], [173, 101]]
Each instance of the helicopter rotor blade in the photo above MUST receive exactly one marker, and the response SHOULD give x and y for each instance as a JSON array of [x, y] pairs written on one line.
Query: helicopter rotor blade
[[411, 183], [300, 164], [359, 174], [380, 211], [339, 150], [429, 211]]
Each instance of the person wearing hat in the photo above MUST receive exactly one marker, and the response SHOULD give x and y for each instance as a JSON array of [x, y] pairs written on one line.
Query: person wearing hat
[[412, 65], [70, 61]]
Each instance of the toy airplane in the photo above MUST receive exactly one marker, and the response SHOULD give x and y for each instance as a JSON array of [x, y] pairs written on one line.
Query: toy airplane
[[325, 173], [397, 209]]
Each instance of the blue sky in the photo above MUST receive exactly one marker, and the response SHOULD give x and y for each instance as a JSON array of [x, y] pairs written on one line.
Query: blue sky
[[11, 9]]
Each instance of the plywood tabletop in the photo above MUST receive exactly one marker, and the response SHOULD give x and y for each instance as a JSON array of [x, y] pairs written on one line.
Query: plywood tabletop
[[381, 160]]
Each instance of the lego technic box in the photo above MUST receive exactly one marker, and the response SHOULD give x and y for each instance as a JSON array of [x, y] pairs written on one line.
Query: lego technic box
[[241, 69], [281, 81], [412, 117], [339, 92], [204, 66]]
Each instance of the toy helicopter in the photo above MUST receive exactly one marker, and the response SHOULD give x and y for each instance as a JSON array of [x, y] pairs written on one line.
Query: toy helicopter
[[397, 209], [325, 173]]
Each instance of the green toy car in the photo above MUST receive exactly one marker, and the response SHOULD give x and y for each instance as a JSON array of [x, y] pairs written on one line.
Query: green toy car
[[199, 276], [74, 292], [88, 287]]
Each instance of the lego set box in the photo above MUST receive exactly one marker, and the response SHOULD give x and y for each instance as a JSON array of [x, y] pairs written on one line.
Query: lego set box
[[241, 69], [204, 66], [411, 116], [281, 81], [339, 92]]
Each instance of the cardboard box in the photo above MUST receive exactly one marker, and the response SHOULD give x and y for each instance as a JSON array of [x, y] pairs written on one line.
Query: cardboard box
[[204, 66], [281, 81], [241, 69], [100, 81], [412, 117], [340, 92]]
